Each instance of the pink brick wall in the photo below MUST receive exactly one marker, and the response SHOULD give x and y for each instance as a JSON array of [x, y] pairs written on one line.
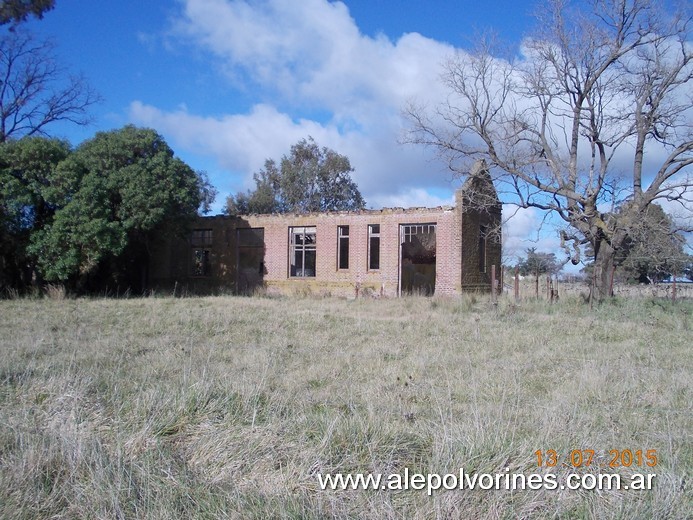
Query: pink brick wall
[[344, 281]]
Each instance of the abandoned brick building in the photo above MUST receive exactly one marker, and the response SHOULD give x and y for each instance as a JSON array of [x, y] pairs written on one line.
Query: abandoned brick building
[[444, 250]]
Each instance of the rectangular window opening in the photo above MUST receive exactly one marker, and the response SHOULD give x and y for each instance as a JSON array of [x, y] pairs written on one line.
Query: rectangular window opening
[[483, 237], [410, 231], [201, 242], [374, 247], [200, 262], [343, 247], [302, 251], [201, 238]]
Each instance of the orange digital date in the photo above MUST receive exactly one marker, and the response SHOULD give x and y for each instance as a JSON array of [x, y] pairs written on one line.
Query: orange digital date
[[580, 458]]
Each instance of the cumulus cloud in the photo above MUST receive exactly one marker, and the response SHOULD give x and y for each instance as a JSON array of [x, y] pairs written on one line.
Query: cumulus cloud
[[524, 228], [239, 142], [313, 52], [415, 197], [308, 57]]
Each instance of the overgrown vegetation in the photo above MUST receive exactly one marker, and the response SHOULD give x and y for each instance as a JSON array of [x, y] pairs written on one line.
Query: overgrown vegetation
[[88, 217], [229, 407]]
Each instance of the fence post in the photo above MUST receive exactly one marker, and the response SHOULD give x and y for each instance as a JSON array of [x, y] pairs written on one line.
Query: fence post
[[673, 289], [494, 293]]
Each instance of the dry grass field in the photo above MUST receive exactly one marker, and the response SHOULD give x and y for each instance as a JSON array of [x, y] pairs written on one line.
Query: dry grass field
[[227, 407]]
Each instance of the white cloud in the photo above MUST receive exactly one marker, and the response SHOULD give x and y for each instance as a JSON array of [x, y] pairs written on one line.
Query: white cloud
[[416, 197], [519, 231], [313, 52], [308, 57], [240, 142], [525, 228]]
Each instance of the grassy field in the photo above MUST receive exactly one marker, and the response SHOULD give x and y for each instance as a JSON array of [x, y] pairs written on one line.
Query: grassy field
[[230, 407]]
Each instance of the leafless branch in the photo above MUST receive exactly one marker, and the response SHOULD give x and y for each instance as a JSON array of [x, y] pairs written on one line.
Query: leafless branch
[[558, 127], [35, 91]]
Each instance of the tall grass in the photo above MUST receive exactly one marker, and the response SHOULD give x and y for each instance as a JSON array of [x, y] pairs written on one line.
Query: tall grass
[[229, 407]]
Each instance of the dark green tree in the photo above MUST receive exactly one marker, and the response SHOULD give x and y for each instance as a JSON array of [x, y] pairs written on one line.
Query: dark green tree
[[687, 270], [32, 188], [17, 11], [653, 250], [266, 196], [309, 179], [537, 263], [132, 190]]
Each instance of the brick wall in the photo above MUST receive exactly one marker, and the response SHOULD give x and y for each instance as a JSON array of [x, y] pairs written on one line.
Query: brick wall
[[329, 278], [480, 213]]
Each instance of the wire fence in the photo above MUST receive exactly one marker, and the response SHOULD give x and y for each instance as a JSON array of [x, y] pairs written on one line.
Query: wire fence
[[551, 288]]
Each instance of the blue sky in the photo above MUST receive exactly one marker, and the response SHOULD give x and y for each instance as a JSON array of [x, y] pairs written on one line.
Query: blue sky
[[231, 83]]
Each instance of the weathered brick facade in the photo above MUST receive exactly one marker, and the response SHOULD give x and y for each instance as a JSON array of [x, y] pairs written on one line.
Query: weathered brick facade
[[387, 252]]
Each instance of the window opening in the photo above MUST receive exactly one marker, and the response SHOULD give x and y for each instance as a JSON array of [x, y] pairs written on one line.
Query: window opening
[[483, 237], [302, 254], [250, 262], [374, 247], [343, 247]]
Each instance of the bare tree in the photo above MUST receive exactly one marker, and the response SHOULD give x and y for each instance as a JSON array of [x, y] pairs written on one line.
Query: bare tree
[[34, 90], [594, 123]]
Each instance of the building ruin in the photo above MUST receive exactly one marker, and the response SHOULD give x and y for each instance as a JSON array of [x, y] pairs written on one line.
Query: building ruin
[[444, 250]]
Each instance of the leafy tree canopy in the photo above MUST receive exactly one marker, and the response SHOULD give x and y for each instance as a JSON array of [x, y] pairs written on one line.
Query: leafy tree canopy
[[653, 250], [16, 11], [31, 188], [537, 263], [112, 197], [30, 184], [309, 179]]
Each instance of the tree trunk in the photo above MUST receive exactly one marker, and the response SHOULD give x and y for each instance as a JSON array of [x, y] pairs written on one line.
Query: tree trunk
[[603, 267]]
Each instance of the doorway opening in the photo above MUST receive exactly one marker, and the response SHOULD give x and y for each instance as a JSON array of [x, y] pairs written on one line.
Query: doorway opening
[[417, 259], [250, 262]]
